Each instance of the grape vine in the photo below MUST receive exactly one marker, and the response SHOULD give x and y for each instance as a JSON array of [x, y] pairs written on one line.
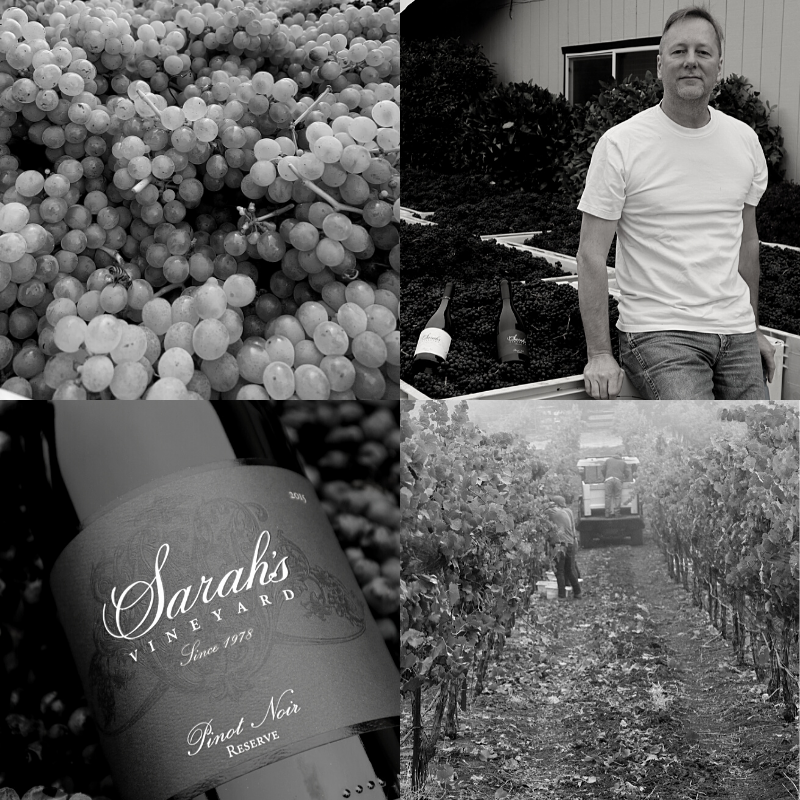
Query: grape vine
[[474, 539], [725, 514]]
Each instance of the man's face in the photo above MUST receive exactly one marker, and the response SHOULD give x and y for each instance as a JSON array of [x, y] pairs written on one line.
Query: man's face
[[689, 62]]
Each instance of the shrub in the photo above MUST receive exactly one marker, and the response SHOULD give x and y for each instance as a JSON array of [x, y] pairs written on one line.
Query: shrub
[[441, 79], [517, 133], [778, 214]]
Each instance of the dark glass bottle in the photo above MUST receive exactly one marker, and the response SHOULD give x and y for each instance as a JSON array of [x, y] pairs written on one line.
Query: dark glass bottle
[[512, 339], [223, 644], [434, 341]]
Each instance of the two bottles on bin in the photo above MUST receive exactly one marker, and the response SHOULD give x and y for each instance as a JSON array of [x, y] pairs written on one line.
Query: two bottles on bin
[[434, 341]]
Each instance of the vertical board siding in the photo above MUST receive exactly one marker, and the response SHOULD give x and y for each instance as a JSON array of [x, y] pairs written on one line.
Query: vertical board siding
[[572, 30], [543, 41], [563, 36], [605, 20], [789, 96], [752, 43], [584, 34], [643, 19], [595, 10], [617, 18], [629, 19], [656, 17], [760, 43], [734, 37], [769, 82]]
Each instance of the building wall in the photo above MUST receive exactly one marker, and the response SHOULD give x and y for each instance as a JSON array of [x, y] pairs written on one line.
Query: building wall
[[760, 43]]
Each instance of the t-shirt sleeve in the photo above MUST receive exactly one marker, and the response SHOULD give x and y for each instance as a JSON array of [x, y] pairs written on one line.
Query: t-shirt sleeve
[[604, 193], [759, 185]]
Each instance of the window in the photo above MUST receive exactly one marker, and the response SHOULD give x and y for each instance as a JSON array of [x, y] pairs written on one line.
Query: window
[[636, 63], [585, 73], [588, 65]]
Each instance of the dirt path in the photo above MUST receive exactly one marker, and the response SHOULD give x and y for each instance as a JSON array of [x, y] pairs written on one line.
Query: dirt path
[[632, 695]]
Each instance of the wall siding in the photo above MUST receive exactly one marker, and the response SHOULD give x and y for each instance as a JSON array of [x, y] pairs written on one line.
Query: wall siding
[[760, 43]]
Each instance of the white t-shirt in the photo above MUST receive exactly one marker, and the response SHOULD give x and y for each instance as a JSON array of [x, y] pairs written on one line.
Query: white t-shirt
[[678, 194]]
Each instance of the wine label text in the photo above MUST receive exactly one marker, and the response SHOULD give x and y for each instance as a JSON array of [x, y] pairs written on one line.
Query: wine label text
[[149, 597], [203, 735], [435, 341]]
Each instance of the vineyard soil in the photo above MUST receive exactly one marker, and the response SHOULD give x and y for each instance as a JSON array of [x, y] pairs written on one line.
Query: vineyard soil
[[627, 693]]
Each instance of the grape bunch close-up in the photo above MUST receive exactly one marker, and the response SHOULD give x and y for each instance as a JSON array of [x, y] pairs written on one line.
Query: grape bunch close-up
[[48, 734], [199, 200]]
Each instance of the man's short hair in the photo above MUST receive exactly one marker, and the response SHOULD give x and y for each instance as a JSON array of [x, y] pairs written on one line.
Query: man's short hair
[[693, 11], [558, 500]]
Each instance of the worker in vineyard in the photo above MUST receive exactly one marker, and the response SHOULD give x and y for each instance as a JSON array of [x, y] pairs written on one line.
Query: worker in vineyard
[[615, 471], [565, 543], [678, 183]]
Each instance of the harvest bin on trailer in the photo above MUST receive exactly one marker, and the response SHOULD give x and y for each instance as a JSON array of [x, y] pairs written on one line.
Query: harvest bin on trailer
[[785, 384], [593, 524]]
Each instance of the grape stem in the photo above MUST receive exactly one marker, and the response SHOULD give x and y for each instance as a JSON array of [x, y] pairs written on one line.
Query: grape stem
[[116, 256], [324, 195], [276, 213], [322, 96], [150, 103], [142, 184], [167, 289], [252, 220]]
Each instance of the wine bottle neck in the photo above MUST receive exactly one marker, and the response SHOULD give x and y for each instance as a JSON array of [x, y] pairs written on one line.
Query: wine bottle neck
[[104, 454]]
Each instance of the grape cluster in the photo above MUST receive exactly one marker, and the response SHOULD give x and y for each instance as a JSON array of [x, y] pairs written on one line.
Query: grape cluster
[[486, 206], [217, 217], [566, 239], [549, 311], [353, 456], [779, 289], [456, 253]]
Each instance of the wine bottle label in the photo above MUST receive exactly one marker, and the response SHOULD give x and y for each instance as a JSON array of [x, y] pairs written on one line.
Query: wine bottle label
[[511, 345], [217, 628], [435, 341]]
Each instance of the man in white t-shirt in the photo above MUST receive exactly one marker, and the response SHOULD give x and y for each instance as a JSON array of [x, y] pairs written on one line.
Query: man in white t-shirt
[[679, 184]]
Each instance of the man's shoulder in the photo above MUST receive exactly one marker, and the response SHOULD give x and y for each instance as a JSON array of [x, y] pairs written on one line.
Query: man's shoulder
[[646, 120], [733, 124]]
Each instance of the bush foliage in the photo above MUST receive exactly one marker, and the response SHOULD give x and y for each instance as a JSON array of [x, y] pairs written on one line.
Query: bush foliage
[[444, 77], [518, 132]]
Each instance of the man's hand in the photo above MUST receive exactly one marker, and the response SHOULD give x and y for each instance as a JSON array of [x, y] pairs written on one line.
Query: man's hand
[[603, 377], [767, 354]]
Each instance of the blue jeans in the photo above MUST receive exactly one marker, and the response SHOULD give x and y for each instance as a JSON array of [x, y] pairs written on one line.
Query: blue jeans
[[683, 365], [567, 570], [613, 487]]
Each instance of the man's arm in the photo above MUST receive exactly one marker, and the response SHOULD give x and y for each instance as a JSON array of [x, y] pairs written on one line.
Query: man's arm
[[750, 270], [602, 376]]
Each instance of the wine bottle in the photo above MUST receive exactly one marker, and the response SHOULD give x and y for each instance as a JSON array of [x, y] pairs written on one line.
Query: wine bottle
[[434, 341], [512, 342], [223, 643]]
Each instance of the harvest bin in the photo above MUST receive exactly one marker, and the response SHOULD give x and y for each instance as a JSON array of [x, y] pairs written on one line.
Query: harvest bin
[[785, 384]]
